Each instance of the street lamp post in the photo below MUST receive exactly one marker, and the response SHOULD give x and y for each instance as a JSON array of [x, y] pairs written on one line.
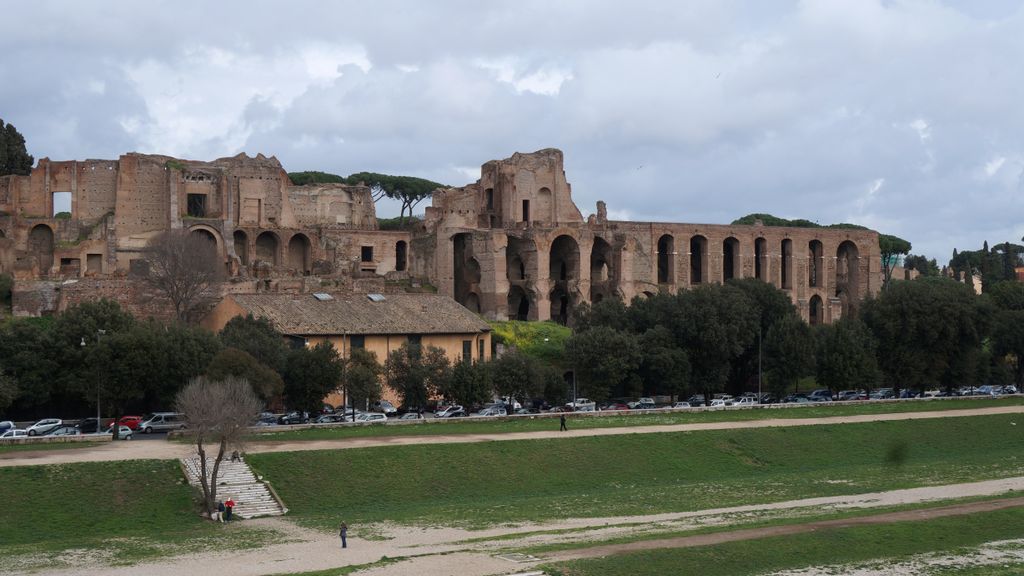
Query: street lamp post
[[99, 333]]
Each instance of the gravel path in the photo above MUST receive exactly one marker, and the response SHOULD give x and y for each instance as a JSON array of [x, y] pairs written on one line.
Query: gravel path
[[445, 551], [111, 451]]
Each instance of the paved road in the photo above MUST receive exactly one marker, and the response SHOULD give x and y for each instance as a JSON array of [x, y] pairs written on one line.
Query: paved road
[[135, 450]]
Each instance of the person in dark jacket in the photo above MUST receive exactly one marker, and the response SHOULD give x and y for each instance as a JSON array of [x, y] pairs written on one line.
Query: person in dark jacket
[[343, 532], [562, 428]]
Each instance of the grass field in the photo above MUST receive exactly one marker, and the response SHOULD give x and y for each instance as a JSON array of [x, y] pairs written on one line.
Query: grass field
[[34, 446], [495, 482], [124, 510], [859, 545], [526, 424]]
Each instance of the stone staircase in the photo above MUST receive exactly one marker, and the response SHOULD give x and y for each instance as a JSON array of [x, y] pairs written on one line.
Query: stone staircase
[[252, 497]]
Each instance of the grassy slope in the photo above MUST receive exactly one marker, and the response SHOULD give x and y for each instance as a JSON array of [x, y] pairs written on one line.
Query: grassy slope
[[89, 505], [850, 545], [490, 426], [490, 483]]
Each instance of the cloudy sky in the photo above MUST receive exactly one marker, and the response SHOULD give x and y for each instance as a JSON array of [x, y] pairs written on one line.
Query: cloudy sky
[[905, 116]]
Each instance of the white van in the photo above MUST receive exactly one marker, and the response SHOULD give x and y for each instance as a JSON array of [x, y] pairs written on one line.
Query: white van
[[161, 422]]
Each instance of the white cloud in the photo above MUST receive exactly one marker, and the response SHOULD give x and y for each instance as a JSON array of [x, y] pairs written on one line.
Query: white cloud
[[993, 165]]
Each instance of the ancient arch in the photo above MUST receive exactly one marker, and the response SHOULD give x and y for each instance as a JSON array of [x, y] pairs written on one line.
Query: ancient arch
[[519, 305], [667, 259], [465, 271], [848, 276], [266, 247], [520, 260], [542, 212], [815, 264], [40, 244], [815, 311], [565, 260], [698, 259], [731, 259], [241, 240], [786, 269], [401, 255], [299, 250], [760, 259], [603, 276]]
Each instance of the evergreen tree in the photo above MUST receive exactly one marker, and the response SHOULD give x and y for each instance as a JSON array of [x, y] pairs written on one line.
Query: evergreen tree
[[14, 157]]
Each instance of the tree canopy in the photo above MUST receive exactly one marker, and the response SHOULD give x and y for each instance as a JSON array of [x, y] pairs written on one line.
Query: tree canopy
[[769, 220], [891, 248], [14, 156], [408, 190]]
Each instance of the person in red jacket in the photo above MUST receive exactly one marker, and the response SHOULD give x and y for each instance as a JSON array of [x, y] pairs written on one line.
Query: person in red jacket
[[229, 508]]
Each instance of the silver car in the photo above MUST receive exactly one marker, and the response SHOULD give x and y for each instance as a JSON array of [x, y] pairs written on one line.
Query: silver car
[[43, 426], [161, 422]]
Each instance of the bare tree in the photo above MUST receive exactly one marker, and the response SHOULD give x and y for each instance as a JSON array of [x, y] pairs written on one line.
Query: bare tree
[[219, 414], [185, 268]]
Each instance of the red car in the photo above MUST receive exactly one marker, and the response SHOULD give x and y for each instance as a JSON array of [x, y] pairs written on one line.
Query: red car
[[130, 421], [616, 406]]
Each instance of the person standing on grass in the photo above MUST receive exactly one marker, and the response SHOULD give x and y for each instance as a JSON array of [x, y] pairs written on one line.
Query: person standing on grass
[[229, 509], [219, 514], [561, 419], [343, 532]]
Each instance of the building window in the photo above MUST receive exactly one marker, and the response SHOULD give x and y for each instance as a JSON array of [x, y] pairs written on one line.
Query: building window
[[415, 340], [467, 350], [367, 254], [480, 355], [357, 341], [526, 210], [197, 205]]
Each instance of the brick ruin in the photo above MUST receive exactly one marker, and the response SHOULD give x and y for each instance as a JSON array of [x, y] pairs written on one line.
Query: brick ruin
[[512, 245]]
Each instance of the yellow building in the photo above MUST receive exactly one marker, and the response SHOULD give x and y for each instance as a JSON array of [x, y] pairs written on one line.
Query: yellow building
[[379, 323]]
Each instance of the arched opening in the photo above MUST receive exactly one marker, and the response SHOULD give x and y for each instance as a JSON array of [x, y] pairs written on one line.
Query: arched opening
[[518, 304], [730, 258], [266, 248], [815, 264], [298, 254], [516, 270], [542, 212], [520, 259], [40, 244], [698, 259], [466, 270], [787, 264], [816, 312], [401, 255], [565, 259], [561, 306], [666, 259], [205, 235], [242, 247], [760, 258], [848, 276], [603, 276]]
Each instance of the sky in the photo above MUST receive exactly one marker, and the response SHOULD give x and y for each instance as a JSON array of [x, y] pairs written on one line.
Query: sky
[[903, 116]]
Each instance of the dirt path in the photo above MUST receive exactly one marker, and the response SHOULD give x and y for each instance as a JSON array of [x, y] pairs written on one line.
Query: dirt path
[[453, 551], [168, 450]]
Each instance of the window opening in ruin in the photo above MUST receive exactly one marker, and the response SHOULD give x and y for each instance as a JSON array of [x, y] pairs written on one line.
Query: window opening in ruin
[[564, 262], [730, 258], [815, 264], [40, 245], [698, 259], [526, 211], [815, 311], [489, 193], [197, 205], [760, 249], [299, 254], [666, 260], [61, 205], [266, 248], [467, 351], [847, 276], [787, 264], [242, 247], [366, 254], [357, 342], [94, 263], [400, 255]]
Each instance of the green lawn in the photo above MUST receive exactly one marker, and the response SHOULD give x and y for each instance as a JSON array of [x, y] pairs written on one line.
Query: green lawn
[[526, 424], [131, 510], [495, 482], [890, 542], [34, 446]]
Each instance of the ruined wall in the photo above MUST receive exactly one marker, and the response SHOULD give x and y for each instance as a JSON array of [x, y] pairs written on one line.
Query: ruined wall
[[333, 205]]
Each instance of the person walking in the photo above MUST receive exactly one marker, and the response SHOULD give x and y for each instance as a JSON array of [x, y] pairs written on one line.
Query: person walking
[[562, 428], [219, 514], [343, 532], [229, 509]]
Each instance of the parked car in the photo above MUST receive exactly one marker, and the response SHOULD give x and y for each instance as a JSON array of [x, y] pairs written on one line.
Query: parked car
[[43, 426], [121, 432], [745, 401], [615, 406], [492, 411], [642, 404], [1009, 389], [447, 411], [88, 425], [411, 416], [720, 403], [523, 411], [682, 405], [882, 394], [846, 395], [328, 418], [6, 425], [131, 421], [14, 433], [795, 398], [294, 418], [768, 399], [65, 431], [372, 417], [160, 422], [820, 395], [383, 406], [579, 402]]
